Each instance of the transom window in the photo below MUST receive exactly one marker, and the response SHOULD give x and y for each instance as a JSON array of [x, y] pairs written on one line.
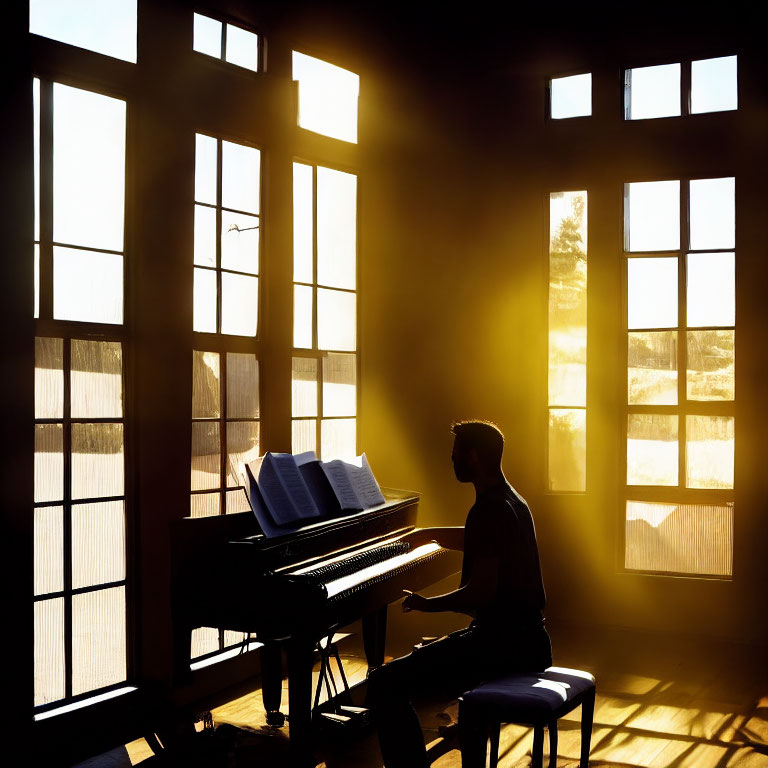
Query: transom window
[[670, 90]]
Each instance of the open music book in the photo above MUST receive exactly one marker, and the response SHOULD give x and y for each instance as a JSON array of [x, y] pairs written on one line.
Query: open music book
[[287, 491]]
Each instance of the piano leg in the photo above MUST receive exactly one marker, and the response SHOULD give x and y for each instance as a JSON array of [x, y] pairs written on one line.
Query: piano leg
[[300, 661], [375, 636], [272, 682]]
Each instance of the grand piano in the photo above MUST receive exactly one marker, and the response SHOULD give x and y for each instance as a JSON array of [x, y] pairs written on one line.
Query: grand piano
[[293, 589]]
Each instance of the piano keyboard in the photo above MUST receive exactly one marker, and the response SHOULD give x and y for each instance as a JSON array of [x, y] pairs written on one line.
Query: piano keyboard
[[380, 571]]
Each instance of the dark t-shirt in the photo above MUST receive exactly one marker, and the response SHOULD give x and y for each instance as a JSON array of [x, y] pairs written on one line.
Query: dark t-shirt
[[500, 526]]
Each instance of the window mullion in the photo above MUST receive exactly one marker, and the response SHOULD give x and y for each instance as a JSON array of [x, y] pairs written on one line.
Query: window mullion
[[46, 199], [67, 513]]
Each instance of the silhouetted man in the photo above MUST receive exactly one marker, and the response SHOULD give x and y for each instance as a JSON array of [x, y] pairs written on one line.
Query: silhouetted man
[[500, 587]]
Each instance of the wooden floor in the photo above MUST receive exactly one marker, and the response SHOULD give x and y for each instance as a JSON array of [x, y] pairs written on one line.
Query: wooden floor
[[661, 703]]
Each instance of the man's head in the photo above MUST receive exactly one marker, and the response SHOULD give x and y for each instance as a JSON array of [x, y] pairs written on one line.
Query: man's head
[[477, 449]]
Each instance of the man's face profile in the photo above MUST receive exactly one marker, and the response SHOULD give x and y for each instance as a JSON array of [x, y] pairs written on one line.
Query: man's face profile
[[461, 462]]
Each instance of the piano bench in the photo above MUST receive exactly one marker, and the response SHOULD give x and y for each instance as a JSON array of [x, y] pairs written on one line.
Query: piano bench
[[535, 699]]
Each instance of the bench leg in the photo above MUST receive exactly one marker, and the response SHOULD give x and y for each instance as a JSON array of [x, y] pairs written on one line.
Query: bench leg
[[494, 737], [553, 744], [587, 716], [473, 738], [538, 747]]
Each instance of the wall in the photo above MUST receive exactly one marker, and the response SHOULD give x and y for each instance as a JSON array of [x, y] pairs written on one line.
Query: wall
[[459, 161]]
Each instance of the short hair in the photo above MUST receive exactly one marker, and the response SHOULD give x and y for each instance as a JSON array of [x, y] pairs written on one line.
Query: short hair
[[484, 436]]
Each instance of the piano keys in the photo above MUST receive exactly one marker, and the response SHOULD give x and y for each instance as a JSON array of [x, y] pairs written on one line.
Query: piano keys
[[292, 590]]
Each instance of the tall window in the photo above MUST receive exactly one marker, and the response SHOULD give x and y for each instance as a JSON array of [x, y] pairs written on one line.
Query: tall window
[[680, 278], [79, 504], [225, 365], [567, 468], [324, 311]]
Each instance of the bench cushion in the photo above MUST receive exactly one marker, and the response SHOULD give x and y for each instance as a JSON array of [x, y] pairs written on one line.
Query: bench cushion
[[532, 697]]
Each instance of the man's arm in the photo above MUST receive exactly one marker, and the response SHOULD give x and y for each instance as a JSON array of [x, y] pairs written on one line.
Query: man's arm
[[478, 590]]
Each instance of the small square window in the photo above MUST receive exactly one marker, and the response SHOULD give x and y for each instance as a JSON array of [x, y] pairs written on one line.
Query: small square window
[[571, 96], [206, 36], [327, 97], [234, 44], [653, 92], [714, 85]]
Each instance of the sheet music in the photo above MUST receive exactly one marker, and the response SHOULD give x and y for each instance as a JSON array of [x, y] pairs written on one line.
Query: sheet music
[[285, 491], [341, 483], [264, 519], [365, 484]]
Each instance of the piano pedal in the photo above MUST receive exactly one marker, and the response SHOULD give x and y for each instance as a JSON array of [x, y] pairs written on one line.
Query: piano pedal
[[347, 717]]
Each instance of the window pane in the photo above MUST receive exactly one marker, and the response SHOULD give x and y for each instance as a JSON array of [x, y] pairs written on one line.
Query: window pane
[[711, 289], [88, 168], [336, 320], [87, 286], [97, 379], [49, 462], [98, 543], [242, 48], [327, 97], [204, 312], [654, 92], [714, 85], [709, 451], [713, 213], [237, 501], [240, 177], [206, 37], [679, 538], [205, 236], [204, 640], [652, 449], [304, 386], [205, 169], [205, 385], [49, 550], [304, 435], [652, 293], [336, 228], [568, 298], [239, 304], [242, 386], [240, 242], [567, 446], [652, 368], [711, 357], [49, 378], [303, 307], [571, 96], [339, 385], [242, 447], [206, 456], [653, 220], [338, 439], [302, 223], [98, 639], [108, 28], [205, 504], [97, 460], [49, 651]]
